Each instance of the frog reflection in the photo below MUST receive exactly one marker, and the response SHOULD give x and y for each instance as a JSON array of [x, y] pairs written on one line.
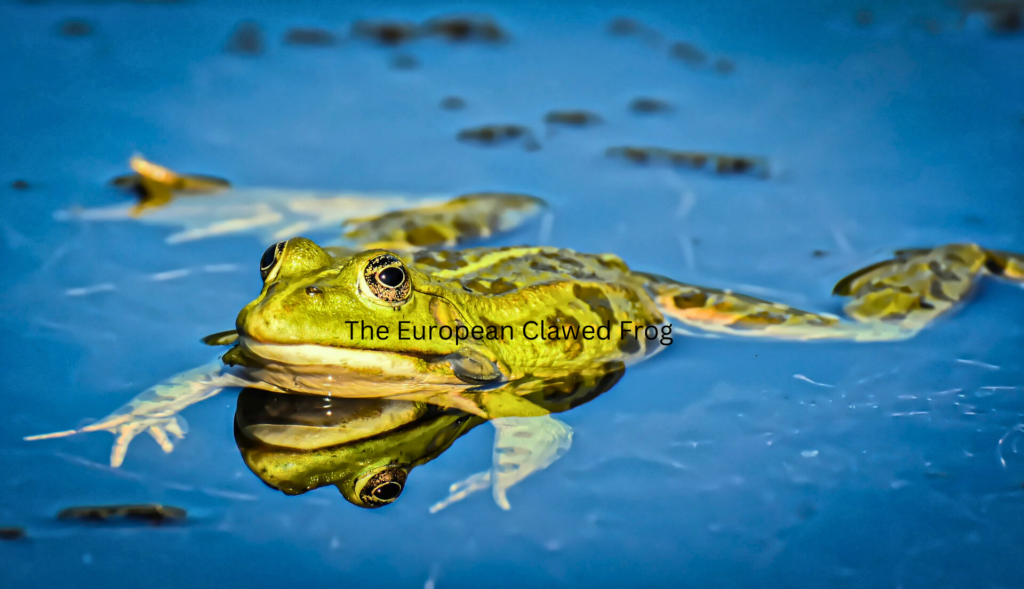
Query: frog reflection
[[367, 448]]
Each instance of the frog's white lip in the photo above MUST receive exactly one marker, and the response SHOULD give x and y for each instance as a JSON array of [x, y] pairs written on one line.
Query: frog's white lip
[[389, 363]]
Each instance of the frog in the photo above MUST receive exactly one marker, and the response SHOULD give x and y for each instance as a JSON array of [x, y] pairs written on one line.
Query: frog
[[329, 320]]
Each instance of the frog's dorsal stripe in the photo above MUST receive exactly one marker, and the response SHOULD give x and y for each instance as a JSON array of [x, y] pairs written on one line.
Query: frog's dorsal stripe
[[487, 260]]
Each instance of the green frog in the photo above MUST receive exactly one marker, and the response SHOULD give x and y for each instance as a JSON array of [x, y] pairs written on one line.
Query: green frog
[[406, 316]]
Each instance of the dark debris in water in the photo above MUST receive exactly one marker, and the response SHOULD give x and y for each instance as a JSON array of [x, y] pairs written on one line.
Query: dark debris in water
[[247, 39], [20, 184], [683, 51], [572, 118], [864, 17], [688, 53], [724, 66], [453, 103], [309, 37], [385, 32], [404, 61], [489, 135], [630, 27], [75, 28], [12, 533], [722, 164], [453, 28], [150, 512], [1003, 17], [644, 105], [465, 28]]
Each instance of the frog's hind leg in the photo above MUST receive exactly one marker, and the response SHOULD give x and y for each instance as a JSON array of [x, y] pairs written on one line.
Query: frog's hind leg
[[447, 224], [730, 313]]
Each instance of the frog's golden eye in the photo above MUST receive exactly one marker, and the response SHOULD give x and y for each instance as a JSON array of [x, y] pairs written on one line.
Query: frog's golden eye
[[381, 487], [387, 280], [270, 259]]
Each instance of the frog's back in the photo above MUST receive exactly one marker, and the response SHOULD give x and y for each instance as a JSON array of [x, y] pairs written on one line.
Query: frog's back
[[498, 270], [545, 297]]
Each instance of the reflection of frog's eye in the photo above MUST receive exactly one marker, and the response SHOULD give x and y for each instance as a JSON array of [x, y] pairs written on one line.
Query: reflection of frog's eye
[[381, 487], [270, 258], [387, 280]]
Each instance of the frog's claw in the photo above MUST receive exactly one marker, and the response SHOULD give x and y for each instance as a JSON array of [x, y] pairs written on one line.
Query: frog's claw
[[448, 224]]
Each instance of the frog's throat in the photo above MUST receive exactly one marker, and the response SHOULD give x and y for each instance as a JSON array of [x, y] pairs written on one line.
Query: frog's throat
[[349, 359]]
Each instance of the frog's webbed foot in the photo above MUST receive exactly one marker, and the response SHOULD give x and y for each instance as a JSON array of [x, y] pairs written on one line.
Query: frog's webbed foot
[[155, 410], [448, 224], [522, 446]]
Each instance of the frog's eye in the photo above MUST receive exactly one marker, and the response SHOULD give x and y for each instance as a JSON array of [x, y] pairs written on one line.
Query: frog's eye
[[381, 487], [387, 280], [270, 259]]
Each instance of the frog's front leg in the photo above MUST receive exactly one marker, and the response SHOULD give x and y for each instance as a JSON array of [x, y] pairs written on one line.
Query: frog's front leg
[[155, 410], [522, 446]]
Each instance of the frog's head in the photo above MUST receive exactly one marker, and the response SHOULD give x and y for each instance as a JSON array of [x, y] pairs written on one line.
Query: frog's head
[[343, 311]]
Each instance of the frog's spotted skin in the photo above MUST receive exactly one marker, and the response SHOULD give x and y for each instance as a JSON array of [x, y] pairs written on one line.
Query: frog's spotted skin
[[215, 208]]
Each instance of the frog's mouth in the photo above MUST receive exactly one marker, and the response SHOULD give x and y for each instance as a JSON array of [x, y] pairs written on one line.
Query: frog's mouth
[[319, 355], [347, 360]]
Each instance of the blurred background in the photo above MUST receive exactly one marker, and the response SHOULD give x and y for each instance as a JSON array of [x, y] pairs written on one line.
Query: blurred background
[[869, 127]]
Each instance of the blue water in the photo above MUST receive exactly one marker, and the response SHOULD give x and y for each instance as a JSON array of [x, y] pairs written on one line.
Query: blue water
[[884, 465]]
